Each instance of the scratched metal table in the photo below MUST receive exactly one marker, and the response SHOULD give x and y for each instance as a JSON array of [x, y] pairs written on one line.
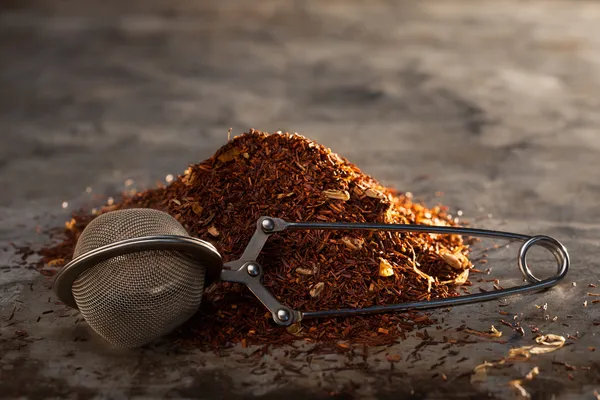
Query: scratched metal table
[[493, 105]]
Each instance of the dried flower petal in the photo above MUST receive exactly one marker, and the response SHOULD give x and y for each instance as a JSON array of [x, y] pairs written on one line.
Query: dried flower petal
[[56, 262], [70, 225], [462, 278], [337, 194], [213, 231], [452, 260], [294, 328], [317, 289], [376, 194], [229, 155], [197, 209], [385, 268], [549, 343], [393, 357], [353, 243], [304, 271]]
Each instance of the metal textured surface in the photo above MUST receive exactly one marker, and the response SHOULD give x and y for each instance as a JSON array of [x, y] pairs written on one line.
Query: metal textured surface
[[135, 298], [493, 104]]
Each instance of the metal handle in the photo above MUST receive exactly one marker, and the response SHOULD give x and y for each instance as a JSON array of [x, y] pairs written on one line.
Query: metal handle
[[241, 270]]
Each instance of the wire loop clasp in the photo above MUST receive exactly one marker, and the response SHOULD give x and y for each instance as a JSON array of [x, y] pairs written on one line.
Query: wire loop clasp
[[236, 271]]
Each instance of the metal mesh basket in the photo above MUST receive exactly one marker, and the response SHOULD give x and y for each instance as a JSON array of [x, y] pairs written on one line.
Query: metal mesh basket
[[135, 298]]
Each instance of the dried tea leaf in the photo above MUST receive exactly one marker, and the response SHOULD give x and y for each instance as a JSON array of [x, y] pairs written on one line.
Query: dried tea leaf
[[452, 260], [317, 289], [213, 231], [56, 262], [492, 333], [353, 243], [197, 208], [385, 268], [229, 155], [462, 278], [343, 345], [304, 271], [337, 194], [393, 357], [383, 330], [294, 329]]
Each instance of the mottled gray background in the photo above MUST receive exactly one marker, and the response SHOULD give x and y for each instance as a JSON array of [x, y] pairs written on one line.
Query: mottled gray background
[[494, 104]]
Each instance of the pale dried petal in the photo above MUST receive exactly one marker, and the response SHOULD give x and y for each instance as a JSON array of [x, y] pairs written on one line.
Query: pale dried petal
[[353, 243], [462, 278], [294, 329], [480, 372], [370, 192], [337, 194], [551, 340], [70, 225], [213, 231], [452, 260], [549, 343], [317, 289], [385, 268], [304, 271]]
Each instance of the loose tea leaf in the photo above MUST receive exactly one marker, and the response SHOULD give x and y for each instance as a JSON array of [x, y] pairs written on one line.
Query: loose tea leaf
[[285, 176]]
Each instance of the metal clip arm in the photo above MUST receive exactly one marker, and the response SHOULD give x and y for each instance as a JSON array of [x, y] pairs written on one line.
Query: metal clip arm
[[247, 271]]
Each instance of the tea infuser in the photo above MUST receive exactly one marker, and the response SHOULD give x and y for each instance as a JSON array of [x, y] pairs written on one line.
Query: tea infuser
[[137, 274]]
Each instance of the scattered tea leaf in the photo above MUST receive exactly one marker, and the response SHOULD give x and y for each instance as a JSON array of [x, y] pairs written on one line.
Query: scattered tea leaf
[[56, 262]]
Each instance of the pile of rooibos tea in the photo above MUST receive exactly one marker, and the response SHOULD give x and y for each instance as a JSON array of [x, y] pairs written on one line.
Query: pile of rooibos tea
[[292, 177]]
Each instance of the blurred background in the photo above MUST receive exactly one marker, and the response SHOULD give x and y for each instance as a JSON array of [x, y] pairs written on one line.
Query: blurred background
[[489, 107]]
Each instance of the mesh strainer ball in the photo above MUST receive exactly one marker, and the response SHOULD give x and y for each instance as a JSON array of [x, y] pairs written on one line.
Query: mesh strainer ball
[[144, 289]]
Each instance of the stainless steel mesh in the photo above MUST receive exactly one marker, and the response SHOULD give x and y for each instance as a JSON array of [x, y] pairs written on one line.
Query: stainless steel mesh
[[135, 298]]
